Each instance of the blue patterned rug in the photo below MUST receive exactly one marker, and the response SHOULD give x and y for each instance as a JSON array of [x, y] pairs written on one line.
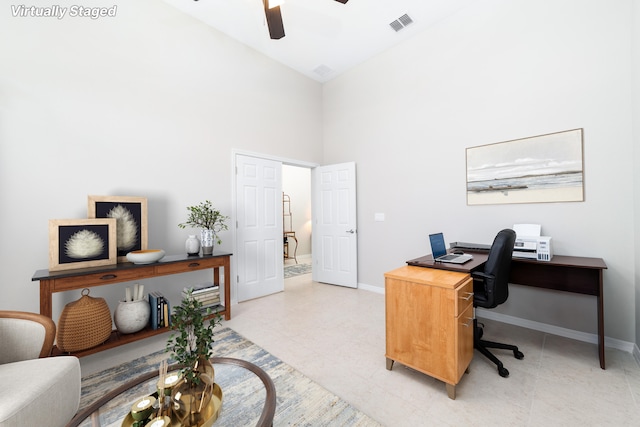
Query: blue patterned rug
[[300, 401], [296, 270]]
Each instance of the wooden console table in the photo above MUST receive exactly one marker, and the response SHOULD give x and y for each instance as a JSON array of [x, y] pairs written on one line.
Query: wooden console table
[[61, 281]]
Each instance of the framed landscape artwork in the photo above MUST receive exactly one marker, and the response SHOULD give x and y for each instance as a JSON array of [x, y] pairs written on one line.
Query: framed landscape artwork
[[130, 214], [538, 169], [80, 243]]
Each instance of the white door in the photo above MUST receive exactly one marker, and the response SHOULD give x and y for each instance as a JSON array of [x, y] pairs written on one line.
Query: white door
[[259, 227], [335, 238]]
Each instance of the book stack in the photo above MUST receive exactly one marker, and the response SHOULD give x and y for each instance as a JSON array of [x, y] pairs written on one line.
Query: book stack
[[207, 294], [160, 310]]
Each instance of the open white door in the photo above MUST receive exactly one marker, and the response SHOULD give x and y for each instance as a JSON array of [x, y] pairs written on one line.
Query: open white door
[[335, 238], [259, 227]]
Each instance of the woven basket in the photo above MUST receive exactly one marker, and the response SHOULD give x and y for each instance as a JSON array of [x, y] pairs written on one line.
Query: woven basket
[[83, 324]]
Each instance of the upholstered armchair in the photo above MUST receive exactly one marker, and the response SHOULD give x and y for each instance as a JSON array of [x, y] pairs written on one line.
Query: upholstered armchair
[[36, 390]]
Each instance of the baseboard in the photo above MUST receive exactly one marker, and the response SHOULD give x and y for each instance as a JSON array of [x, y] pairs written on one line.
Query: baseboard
[[376, 289], [557, 330], [629, 347]]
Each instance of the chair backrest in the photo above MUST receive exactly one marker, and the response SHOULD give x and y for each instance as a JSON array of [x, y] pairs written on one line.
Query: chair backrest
[[498, 265], [25, 335]]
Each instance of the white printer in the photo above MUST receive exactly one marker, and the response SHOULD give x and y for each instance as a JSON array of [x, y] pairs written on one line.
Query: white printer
[[530, 244]]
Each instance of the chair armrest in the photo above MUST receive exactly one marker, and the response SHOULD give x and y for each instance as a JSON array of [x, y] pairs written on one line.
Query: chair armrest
[[46, 334], [488, 282], [482, 275]]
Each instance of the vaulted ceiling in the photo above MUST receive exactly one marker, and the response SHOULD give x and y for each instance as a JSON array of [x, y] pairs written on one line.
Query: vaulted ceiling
[[323, 38]]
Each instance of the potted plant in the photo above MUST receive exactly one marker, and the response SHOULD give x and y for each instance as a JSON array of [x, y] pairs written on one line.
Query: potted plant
[[210, 220], [190, 346]]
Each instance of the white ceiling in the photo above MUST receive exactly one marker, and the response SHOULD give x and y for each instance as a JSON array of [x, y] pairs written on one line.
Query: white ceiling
[[323, 38]]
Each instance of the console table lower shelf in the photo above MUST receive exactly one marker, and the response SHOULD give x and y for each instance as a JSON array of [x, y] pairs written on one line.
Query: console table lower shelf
[[61, 281]]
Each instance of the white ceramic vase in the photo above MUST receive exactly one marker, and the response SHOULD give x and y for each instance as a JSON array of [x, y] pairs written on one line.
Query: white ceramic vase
[[132, 316], [206, 240], [192, 245]]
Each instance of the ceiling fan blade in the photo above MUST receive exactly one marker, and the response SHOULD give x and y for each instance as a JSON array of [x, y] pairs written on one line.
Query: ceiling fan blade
[[274, 21], [342, 1]]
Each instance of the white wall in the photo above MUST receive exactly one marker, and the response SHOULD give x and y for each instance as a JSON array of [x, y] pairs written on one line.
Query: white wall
[[636, 139], [296, 182], [496, 71], [133, 105], [149, 103]]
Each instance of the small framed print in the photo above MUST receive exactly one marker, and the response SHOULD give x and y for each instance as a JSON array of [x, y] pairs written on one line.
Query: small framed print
[[81, 243], [130, 214]]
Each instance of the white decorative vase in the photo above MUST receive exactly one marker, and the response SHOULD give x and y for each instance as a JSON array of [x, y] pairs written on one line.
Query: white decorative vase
[[192, 245], [206, 240], [132, 316]]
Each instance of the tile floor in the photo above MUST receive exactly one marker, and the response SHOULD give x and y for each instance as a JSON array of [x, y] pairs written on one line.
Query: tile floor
[[336, 336]]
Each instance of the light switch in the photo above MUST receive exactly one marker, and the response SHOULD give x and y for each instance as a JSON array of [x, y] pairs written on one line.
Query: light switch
[[378, 217]]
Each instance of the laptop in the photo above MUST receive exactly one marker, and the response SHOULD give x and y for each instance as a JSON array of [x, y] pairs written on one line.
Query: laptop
[[439, 251]]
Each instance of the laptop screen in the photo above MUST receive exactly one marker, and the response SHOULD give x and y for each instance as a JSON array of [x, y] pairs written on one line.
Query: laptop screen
[[438, 248]]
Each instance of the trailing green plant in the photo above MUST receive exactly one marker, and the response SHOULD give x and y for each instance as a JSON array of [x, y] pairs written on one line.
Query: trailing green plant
[[194, 334], [207, 217]]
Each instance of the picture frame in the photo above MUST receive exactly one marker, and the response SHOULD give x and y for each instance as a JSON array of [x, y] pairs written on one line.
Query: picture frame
[[81, 243], [538, 169], [131, 220]]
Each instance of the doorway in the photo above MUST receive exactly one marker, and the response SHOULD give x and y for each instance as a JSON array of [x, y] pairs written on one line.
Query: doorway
[[258, 216], [296, 220]]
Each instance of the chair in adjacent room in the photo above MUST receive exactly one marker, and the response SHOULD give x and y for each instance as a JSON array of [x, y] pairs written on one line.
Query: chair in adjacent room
[[491, 288]]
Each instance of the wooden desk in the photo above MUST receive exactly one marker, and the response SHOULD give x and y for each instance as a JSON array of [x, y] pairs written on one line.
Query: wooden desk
[[67, 280], [563, 273]]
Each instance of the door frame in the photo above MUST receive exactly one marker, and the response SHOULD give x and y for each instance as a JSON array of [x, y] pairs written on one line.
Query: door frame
[[234, 213]]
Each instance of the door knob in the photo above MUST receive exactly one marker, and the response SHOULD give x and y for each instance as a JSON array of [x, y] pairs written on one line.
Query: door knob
[[351, 231]]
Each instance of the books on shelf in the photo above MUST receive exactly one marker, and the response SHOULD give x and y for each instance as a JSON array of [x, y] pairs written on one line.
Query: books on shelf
[[203, 288], [207, 294], [160, 310]]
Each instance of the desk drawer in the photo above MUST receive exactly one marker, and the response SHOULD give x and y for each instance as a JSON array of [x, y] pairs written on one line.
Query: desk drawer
[[464, 296], [98, 279], [186, 266]]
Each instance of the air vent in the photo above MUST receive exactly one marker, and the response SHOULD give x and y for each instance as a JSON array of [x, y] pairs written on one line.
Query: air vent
[[401, 22], [323, 70]]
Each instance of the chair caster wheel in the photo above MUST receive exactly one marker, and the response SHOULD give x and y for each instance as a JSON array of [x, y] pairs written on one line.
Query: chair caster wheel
[[504, 373], [518, 354]]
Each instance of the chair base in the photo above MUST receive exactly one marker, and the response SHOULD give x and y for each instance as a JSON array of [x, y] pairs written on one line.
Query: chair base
[[483, 347]]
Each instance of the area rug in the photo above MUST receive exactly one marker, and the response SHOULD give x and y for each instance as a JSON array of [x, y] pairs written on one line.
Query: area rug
[[300, 401], [296, 270]]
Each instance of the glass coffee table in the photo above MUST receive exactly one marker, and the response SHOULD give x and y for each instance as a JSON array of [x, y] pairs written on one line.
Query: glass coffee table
[[249, 396]]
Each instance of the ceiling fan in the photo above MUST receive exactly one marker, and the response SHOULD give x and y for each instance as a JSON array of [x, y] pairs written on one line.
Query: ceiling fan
[[274, 17]]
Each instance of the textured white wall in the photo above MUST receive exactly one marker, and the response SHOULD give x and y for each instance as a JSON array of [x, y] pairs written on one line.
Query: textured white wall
[[149, 103], [636, 138], [134, 105], [498, 70]]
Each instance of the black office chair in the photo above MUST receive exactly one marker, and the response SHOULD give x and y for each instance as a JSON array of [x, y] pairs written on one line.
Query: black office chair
[[490, 289]]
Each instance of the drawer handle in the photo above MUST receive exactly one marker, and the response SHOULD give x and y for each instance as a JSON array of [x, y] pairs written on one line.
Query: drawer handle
[[194, 264], [108, 277], [469, 296], [468, 323]]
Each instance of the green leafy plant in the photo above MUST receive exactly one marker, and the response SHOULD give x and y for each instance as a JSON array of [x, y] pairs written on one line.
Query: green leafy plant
[[194, 334], [207, 217]]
